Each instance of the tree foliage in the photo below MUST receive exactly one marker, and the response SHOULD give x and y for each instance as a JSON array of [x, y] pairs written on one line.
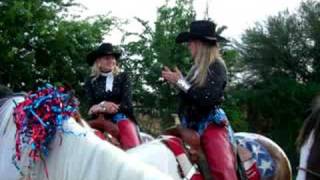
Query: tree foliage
[[154, 49], [39, 44], [42, 42]]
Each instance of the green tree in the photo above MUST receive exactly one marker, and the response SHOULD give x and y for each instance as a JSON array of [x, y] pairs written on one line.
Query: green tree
[[155, 49], [39, 44]]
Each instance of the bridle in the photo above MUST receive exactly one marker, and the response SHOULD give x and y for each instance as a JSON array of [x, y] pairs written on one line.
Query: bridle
[[316, 174]]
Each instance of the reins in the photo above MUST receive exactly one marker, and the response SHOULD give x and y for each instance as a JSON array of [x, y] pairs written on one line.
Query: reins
[[309, 171]]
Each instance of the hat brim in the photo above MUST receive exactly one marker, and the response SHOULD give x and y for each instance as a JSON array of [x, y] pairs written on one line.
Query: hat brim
[[187, 36], [91, 58]]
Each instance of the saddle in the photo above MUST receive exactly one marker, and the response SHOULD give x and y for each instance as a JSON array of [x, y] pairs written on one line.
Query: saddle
[[185, 145], [106, 130], [191, 140], [253, 155], [247, 169]]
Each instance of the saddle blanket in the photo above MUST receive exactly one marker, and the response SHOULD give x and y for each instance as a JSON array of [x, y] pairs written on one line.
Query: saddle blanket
[[266, 164]]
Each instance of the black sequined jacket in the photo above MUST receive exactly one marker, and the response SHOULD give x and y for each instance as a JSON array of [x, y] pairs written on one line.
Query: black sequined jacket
[[197, 102], [120, 94]]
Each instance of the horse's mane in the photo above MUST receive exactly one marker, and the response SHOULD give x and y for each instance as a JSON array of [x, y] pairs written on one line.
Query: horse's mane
[[5, 91], [312, 122]]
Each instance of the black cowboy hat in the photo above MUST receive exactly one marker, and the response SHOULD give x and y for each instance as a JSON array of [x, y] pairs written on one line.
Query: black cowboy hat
[[203, 30], [103, 50]]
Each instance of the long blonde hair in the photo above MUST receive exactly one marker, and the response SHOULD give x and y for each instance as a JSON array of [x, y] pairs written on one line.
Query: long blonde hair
[[95, 70], [206, 55]]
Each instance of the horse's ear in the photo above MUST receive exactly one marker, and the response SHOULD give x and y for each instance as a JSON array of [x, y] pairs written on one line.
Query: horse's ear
[[5, 91]]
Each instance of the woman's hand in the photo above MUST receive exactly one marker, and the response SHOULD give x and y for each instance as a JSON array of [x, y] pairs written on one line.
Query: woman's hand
[[94, 109], [171, 76], [109, 107], [104, 107]]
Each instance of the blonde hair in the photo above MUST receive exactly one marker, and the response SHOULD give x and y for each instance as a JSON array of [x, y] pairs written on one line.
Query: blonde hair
[[95, 70], [206, 55]]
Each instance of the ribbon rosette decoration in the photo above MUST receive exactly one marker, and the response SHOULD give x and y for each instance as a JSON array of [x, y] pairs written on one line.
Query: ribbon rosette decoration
[[39, 117]]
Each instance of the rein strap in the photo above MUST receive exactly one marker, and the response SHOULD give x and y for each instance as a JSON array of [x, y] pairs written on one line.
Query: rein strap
[[309, 171]]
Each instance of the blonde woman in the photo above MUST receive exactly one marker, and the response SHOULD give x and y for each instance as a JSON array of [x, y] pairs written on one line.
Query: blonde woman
[[109, 93], [201, 94]]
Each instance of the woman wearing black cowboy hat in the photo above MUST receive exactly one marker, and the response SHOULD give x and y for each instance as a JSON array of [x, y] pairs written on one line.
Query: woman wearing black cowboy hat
[[201, 94], [109, 92]]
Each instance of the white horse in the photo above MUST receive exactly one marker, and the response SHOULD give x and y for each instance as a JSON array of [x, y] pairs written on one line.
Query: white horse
[[309, 145], [72, 156], [272, 162]]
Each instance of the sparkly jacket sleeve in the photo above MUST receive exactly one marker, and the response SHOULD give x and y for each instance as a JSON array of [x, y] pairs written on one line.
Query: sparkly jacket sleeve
[[212, 92]]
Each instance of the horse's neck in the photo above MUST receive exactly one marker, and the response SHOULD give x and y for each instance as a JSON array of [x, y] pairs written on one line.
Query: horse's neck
[[83, 123], [304, 155], [156, 154], [72, 155], [313, 162], [6, 113], [7, 138]]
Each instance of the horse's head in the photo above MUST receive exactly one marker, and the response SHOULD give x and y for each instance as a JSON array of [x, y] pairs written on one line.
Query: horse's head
[[309, 143], [75, 153], [311, 123], [39, 117]]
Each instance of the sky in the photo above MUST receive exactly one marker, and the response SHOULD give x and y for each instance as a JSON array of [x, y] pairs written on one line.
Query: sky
[[237, 15]]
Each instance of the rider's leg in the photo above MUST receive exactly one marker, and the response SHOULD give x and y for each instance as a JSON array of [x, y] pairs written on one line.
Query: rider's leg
[[249, 164], [219, 153], [251, 169], [128, 134]]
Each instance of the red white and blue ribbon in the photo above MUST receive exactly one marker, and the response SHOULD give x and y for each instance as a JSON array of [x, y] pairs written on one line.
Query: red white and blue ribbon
[[39, 117]]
